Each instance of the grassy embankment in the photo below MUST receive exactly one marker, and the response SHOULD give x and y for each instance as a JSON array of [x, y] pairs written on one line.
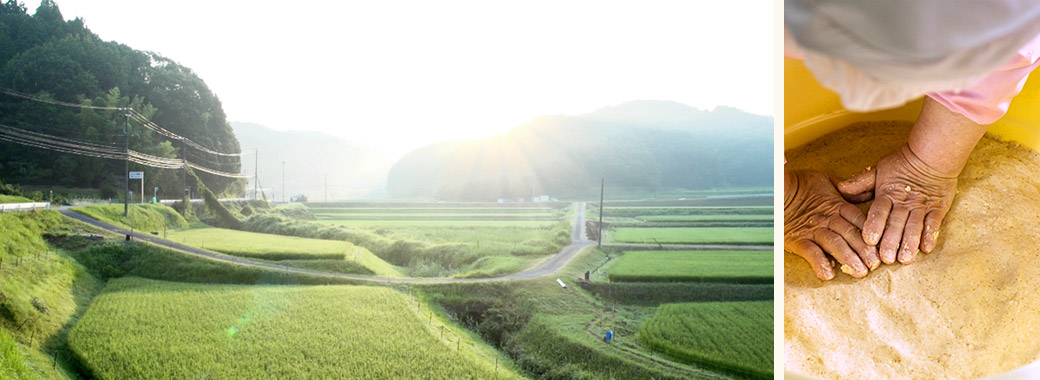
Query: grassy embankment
[[13, 199]]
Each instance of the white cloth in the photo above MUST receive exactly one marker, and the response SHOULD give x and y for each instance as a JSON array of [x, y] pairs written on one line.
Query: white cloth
[[883, 53]]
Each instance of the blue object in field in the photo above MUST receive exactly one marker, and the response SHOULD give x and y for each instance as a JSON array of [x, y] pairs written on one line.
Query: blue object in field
[[609, 336]]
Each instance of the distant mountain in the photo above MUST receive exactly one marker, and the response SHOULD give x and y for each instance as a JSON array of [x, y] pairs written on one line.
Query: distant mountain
[[354, 169], [641, 145]]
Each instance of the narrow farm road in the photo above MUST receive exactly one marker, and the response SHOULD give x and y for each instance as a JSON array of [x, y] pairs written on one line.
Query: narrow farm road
[[548, 267]]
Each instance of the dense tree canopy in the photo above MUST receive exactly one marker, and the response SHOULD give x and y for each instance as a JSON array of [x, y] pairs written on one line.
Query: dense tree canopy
[[648, 145], [48, 57]]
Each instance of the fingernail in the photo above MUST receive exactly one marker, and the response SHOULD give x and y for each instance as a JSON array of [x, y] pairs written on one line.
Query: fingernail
[[853, 272], [873, 237], [888, 256], [906, 257], [872, 254]]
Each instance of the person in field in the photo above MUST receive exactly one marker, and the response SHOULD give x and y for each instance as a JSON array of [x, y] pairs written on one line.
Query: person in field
[[969, 58]]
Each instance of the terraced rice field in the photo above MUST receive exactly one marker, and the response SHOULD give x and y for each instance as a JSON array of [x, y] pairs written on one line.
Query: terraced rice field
[[740, 267], [460, 240], [651, 223], [705, 235], [736, 337], [333, 255], [145, 329]]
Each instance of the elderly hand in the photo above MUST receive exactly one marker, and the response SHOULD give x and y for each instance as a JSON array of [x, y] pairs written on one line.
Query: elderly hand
[[910, 201], [818, 221]]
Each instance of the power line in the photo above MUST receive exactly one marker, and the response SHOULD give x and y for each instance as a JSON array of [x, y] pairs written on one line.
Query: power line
[[163, 131], [64, 145]]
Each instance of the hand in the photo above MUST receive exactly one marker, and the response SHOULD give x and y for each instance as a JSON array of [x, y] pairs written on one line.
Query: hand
[[910, 201], [818, 221]]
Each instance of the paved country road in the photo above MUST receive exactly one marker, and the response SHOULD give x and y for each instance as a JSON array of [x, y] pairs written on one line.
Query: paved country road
[[546, 268]]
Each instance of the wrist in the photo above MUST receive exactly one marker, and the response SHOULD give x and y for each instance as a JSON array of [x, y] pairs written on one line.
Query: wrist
[[942, 139], [934, 163], [790, 188], [924, 168]]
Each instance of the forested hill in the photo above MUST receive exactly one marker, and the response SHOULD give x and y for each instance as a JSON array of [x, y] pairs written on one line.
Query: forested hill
[[47, 57], [641, 145]]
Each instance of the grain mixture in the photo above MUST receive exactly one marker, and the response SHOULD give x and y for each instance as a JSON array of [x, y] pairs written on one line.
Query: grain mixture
[[969, 309]]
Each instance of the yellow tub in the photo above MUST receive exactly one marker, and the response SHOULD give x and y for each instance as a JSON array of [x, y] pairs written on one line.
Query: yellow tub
[[810, 111]]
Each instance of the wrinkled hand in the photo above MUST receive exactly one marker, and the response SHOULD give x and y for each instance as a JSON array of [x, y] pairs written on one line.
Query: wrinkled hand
[[818, 221], [910, 201]]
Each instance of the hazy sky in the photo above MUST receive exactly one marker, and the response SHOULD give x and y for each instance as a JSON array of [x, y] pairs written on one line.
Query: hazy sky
[[422, 71]]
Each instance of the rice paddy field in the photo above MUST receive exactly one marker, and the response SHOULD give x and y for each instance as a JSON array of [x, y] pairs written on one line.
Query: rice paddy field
[[330, 255], [694, 235], [740, 267], [457, 239], [146, 329], [732, 336], [733, 221]]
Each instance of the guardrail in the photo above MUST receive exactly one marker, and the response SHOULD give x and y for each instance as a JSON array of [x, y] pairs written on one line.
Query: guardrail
[[172, 201], [5, 207]]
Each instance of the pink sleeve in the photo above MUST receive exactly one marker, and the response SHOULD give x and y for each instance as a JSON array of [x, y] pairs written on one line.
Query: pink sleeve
[[988, 100]]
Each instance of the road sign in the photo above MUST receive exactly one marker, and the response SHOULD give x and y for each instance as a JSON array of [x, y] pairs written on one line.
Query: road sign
[[136, 175]]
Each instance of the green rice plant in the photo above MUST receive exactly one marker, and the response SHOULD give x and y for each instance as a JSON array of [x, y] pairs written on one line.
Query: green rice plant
[[142, 329], [657, 293], [708, 235], [637, 211], [742, 267], [700, 218], [261, 246], [735, 337]]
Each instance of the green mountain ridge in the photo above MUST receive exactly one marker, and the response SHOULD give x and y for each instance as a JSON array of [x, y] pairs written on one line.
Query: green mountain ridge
[[650, 145]]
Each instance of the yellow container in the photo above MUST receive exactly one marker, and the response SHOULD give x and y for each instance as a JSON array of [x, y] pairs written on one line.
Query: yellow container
[[811, 111]]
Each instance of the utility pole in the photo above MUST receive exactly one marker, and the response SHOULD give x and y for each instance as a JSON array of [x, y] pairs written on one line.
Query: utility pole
[[126, 164], [326, 187], [186, 198], [602, 182], [256, 171], [283, 181]]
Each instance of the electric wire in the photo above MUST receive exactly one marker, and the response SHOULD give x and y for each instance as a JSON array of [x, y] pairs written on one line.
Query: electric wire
[[64, 145]]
